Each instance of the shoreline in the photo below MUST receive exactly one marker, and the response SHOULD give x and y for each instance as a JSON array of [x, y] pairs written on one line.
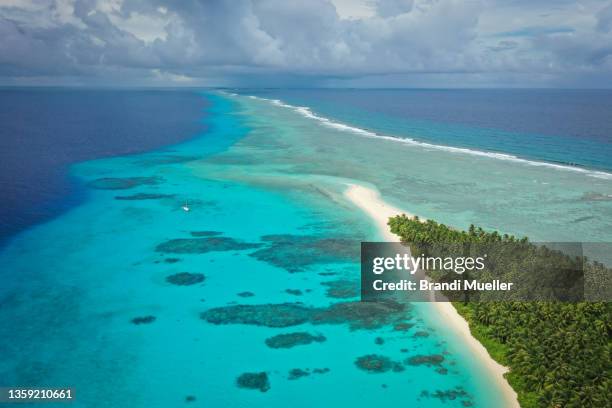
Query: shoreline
[[369, 201]]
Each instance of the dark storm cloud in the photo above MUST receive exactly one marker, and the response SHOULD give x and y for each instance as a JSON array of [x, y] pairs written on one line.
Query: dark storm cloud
[[316, 42]]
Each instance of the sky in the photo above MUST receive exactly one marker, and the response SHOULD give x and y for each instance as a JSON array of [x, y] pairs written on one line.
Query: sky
[[307, 43]]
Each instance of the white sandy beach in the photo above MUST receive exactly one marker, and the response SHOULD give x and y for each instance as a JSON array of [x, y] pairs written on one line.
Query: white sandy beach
[[369, 201]]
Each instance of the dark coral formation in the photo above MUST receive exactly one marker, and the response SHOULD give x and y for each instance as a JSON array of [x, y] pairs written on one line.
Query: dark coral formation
[[379, 341], [143, 196], [428, 360], [296, 252], [246, 294], [296, 373], [402, 326], [421, 334], [294, 292], [452, 394], [289, 340], [442, 371], [203, 245], [185, 278], [254, 381], [270, 315], [374, 363], [171, 260], [342, 289], [205, 233], [358, 315], [143, 320], [122, 183], [190, 398]]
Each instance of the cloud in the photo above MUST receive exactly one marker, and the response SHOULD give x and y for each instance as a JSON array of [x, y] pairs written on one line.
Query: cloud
[[504, 46], [535, 31], [318, 43], [391, 8], [604, 19]]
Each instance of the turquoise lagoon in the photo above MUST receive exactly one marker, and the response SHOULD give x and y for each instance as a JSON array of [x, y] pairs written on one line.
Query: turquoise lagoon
[[267, 216]]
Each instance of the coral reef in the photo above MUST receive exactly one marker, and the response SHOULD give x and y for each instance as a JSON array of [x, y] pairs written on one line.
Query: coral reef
[[296, 373], [122, 183], [185, 278], [296, 252], [402, 326], [254, 381], [374, 363], [143, 320], [289, 340], [358, 315], [442, 371], [428, 360], [342, 289], [269, 315], [203, 245], [143, 196], [452, 394]]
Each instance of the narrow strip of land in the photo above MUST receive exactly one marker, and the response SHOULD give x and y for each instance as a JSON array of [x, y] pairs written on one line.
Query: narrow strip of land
[[370, 202]]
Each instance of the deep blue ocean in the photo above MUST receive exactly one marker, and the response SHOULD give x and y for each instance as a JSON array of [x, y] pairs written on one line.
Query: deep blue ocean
[[43, 131], [569, 127]]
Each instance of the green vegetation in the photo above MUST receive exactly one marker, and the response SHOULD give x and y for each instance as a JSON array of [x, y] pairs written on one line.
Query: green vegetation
[[558, 352]]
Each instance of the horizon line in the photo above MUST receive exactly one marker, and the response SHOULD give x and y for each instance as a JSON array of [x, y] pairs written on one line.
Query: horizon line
[[365, 88]]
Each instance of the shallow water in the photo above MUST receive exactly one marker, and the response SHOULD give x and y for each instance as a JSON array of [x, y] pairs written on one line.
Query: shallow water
[[264, 187], [523, 198]]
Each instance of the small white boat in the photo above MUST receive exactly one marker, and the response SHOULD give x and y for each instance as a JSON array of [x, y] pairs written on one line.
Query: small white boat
[[186, 208]]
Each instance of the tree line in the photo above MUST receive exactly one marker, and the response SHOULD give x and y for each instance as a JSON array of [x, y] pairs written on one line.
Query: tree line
[[558, 352]]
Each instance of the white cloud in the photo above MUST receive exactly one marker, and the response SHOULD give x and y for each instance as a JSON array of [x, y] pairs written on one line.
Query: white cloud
[[553, 41], [147, 28], [170, 77], [354, 9]]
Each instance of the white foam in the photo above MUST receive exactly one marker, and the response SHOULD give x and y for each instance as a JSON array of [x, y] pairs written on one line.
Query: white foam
[[307, 112]]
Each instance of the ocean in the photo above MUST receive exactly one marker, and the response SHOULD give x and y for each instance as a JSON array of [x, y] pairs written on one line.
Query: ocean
[[134, 301], [567, 127], [44, 131]]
